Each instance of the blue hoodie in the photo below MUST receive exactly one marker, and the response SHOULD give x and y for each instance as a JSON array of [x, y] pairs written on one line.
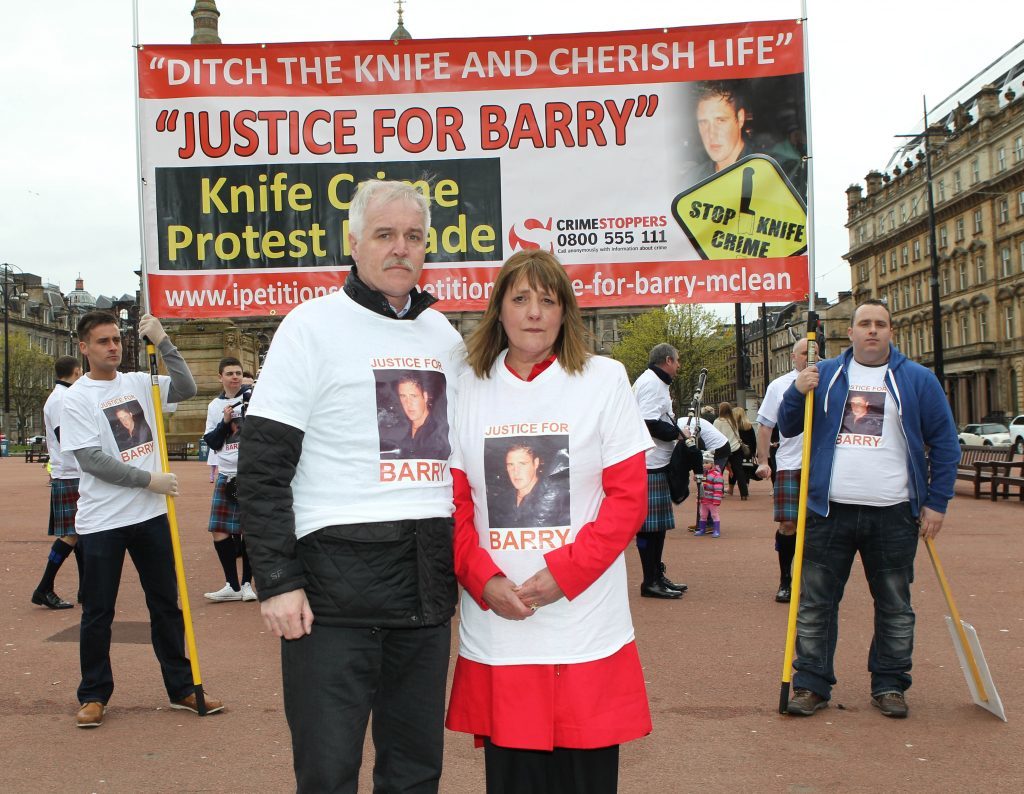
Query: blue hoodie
[[925, 419]]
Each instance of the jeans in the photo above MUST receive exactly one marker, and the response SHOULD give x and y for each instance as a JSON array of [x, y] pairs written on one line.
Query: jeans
[[149, 544], [336, 677], [886, 538]]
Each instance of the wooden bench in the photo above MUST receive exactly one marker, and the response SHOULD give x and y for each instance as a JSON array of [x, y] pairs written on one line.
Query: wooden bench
[[974, 466], [1002, 473], [177, 451], [36, 453]]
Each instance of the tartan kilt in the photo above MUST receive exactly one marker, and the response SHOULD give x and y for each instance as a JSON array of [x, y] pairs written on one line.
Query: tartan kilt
[[787, 495], [224, 513], [659, 503], [63, 507]]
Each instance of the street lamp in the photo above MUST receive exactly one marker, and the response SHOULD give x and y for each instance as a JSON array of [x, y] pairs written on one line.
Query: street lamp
[[7, 290]]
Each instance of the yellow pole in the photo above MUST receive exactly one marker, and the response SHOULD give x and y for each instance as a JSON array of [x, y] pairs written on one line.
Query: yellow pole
[[955, 615], [801, 521], [172, 519]]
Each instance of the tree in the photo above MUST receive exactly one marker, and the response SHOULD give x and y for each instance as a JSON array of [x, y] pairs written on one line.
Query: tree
[[31, 373], [698, 334]]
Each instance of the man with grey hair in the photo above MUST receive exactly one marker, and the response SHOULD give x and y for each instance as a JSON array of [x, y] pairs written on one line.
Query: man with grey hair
[[351, 547], [652, 395]]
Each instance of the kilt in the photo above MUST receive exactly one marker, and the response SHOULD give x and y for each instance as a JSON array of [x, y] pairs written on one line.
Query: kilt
[[659, 503], [63, 507], [787, 494], [224, 513]]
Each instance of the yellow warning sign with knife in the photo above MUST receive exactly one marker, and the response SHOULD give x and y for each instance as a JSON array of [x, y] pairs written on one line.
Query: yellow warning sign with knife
[[746, 211]]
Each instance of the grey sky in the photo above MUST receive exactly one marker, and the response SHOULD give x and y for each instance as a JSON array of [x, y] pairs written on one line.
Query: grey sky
[[68, 199]]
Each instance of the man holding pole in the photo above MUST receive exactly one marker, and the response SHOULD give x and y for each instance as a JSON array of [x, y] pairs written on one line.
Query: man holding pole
[[122, 507], [872, 493]]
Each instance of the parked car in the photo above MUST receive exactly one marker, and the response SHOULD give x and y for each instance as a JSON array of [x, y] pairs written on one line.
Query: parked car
[[1017, 434], [988, 434], [35, 440]]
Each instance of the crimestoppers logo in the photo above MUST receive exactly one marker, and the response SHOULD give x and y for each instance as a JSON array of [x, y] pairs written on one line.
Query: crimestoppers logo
[[532, 237]]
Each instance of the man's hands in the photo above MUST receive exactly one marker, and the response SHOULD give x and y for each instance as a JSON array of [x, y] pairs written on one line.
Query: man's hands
[[150, 328], [807, 379], [518, 602], [931, 522], [163, 483], [288, 615], [764, 471]]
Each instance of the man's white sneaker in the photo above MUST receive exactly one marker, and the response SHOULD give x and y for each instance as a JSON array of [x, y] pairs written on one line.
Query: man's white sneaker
[[225, 594], [248, 594]]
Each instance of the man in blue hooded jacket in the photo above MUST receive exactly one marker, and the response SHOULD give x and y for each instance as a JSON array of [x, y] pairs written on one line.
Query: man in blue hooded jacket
[[871, 490]]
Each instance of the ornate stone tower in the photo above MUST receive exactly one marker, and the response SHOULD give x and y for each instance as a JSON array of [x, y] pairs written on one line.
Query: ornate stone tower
[[204, 22]]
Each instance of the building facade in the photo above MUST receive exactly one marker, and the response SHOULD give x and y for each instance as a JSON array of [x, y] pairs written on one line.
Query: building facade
[[977, 162]]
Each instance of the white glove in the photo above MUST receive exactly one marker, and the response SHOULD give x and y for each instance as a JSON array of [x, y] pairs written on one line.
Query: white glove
[[162, 483], [150, 327]]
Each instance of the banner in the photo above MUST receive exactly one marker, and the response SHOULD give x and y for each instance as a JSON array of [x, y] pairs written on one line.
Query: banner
[[660, 165]]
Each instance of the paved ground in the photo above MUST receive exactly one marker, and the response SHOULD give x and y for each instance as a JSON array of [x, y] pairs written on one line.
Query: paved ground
[[713, 664]]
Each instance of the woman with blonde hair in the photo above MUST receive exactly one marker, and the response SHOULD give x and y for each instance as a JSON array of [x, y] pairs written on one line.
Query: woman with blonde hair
[[548, 677], [727, 425]]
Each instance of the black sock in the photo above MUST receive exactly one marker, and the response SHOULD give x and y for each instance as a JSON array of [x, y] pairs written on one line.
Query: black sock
[[786, 545], [59, 552], [643, 546], [226, 553], [246, 567]]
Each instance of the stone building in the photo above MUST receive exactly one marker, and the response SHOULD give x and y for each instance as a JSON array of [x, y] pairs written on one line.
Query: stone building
[[976, 145]]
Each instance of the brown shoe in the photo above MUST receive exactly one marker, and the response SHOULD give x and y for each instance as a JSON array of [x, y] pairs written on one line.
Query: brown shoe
[[90, 715], [189, 704], [805, 702]]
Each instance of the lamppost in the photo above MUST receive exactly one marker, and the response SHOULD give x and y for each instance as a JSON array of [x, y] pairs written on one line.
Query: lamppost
[[7, 290]]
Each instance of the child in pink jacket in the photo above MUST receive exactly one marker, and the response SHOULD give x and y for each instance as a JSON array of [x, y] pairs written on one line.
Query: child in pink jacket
[[711, 498]]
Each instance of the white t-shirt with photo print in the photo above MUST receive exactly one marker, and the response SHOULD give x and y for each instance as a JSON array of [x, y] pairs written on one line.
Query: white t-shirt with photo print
[[332, 372], [870, 465], [90, 419], [595, 417]]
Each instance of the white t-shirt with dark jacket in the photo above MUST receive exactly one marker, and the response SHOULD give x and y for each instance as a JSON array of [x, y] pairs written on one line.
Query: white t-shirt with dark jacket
[[92, 417], [332, 372]]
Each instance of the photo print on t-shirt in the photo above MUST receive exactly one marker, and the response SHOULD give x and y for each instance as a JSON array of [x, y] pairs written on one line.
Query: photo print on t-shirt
[[527, 480], [412, 409], [863, 417], [129, 426]]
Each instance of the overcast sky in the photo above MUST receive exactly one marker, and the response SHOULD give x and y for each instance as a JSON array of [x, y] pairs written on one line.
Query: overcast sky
[[68, 198]]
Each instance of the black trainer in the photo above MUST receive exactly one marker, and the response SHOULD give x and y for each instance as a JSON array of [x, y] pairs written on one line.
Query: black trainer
[[784, 594]]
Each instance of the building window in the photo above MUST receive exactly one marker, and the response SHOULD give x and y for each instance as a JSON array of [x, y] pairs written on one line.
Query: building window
[[943, 237], [862, 233], [906, 296], [894, 304], [1020, 203], [965, 329], [917, 250], [977, 222], [975, 171], [1005, 262], [959, 235], [1001, 158], [1004, 210], [1009, 321], [881, 225], [917, 291], [982, 327], [957, 184], [881, 265], [883, 296], [892, 219], [947, 333], [892, 261], [905, 256], [862, 273], [915, 203], [1018, 148], [920, 340], [942, 190], [903, 213], [945, 281], [962, 274], [979, 264]]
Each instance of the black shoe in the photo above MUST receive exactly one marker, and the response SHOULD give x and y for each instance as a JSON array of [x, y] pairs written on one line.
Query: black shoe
[[784, 593], [891, 704], [49, 600], [665, 582], [805, 702], [658, 590]]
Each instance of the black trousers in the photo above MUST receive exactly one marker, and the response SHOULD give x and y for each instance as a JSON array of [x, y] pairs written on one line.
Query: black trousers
[[336, 677], [559, 771], [149, 545]]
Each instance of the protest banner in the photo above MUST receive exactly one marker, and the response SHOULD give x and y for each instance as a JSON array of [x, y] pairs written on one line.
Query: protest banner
[[657, 165]]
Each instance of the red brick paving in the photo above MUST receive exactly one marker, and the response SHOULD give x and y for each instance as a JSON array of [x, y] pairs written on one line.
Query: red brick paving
[[713, 663]]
